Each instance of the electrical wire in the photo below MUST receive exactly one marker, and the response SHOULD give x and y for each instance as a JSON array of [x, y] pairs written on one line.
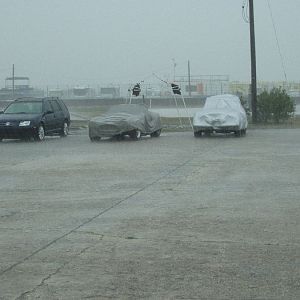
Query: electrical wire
[[277, 41]]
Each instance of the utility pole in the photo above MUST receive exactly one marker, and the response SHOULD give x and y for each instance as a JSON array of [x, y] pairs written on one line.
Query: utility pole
[[189, 75], [13, 81], [253, 64]]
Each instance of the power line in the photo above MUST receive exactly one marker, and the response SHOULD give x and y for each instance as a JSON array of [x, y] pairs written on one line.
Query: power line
[[277, 41]]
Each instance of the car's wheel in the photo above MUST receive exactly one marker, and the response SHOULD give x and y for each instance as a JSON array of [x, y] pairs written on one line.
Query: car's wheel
[[1, 139], [156, 133], [95, 138], [136, 134], [40, 133], [64, 130], [26, 139], [243, 132], [197, 133], [238, 133], [207, 133], [119, 137]]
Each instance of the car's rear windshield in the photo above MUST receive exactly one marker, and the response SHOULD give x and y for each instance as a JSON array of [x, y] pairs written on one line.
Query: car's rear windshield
[[221, 104], [30, 107]]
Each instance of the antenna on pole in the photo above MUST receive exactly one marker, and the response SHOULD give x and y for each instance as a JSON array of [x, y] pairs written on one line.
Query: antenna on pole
[[253, 63], [174, 68]]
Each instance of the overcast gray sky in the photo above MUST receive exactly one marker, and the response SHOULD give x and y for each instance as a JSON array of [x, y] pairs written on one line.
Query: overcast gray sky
[[57, 42]]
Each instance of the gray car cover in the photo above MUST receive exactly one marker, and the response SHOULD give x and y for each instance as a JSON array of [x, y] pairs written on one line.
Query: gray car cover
[[124, 118]]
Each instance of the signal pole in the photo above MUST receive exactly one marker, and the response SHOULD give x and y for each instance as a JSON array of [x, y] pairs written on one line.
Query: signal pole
[[253, 64]]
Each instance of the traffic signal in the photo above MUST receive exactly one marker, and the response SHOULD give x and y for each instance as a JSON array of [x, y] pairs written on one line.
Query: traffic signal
[[176, 89], [136, 90]]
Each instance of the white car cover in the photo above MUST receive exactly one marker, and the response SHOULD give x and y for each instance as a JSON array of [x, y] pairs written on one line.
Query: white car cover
[[221, 112]]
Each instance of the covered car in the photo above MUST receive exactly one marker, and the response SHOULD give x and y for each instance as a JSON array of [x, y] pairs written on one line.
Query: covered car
[[134, 120], [221, 114]]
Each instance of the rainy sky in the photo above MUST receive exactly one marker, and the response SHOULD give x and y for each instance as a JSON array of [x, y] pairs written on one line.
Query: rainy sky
[[120, 41]]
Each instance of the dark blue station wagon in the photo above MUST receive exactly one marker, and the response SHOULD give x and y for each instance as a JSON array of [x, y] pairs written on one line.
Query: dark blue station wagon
[[27, 118]]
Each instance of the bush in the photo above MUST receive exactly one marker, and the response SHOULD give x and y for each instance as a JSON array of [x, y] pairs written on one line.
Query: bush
[[275, 106], [245, 105]]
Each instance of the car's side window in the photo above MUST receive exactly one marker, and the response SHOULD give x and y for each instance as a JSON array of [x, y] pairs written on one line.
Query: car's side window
[[63, 105], [55, 105], [47, 106]]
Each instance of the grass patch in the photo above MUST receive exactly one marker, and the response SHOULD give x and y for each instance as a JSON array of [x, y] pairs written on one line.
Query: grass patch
[[293, 122]]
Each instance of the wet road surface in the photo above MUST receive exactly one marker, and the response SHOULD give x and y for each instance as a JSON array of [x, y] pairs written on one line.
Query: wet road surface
[[173, 217]]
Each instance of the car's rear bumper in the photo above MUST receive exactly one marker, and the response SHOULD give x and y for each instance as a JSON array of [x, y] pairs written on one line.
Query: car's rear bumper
[[220, 129]]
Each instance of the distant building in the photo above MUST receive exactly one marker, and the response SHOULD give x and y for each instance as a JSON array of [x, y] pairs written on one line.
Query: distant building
[[16, 87], [239, 88], [110, 92], [243, 88], [55, 93], [204, 85], [81, 91]]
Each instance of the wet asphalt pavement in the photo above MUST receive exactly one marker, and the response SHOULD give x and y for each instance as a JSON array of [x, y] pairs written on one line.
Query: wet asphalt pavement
[[173, 217]]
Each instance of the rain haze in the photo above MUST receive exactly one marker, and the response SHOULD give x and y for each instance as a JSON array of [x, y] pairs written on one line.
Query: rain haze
[[120, 41], [136, 160]]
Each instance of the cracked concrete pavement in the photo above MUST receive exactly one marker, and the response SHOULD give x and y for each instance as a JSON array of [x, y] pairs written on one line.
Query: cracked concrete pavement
[[168, 218]]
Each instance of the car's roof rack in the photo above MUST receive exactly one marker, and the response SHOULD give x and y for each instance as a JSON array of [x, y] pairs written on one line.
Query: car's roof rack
[[29, 98], [36, 98]]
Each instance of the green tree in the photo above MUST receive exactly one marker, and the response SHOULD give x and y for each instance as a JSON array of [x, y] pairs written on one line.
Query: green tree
[[275, 106]]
